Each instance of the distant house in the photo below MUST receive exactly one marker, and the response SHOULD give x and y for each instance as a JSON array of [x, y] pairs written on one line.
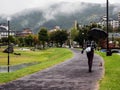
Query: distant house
[[55, 29], [25, 32], [4, 31]]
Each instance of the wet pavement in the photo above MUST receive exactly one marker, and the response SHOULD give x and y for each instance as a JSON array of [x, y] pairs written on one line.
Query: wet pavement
[[70, 75]]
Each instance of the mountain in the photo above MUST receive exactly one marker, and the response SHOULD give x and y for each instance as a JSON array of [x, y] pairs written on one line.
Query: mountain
[[60, 14]]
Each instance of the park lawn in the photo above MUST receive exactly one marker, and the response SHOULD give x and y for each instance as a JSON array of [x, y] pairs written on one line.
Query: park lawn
[[29, 56], [47, 58], [25, 57], [111, 80]]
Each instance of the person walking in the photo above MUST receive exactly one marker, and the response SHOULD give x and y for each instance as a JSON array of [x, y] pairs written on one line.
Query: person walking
[[89, 47]]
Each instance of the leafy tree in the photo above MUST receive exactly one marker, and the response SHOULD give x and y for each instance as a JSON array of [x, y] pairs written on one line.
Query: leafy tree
[[110, 28], [21, 41], [43, 36], [52, 38], [35, 39], [94, 25], [4, 40], [12, 39], [81, 35], [118, 30], [74, 33], [59, 37], [28, 40], [80, 38]]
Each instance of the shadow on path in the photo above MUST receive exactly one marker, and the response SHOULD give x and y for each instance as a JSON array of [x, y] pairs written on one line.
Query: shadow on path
[[69, 75]]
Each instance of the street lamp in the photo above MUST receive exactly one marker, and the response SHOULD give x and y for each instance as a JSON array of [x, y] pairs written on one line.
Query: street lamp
[[8, 22], [70, 39], [108, 52], [83, 39]]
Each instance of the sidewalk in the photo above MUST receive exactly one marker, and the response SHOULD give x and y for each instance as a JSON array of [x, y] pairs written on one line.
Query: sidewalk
[[70, 75]]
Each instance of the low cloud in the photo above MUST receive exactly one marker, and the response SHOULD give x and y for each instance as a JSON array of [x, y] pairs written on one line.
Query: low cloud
[[116, 9], [63, 8]]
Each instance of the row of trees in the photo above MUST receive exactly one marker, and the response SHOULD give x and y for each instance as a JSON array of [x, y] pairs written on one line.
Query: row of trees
[[40, 40], [53, 38]]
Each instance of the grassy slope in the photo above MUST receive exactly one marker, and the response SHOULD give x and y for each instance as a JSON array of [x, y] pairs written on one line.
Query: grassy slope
[[111, 80], [47, 58]]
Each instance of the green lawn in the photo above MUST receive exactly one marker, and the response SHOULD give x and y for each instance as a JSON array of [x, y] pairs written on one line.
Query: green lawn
[[47, 58], [25, 57], [111, 80]]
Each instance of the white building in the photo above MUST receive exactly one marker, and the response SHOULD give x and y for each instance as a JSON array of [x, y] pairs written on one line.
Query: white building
[[113, 23], [55, 29], [4, 31], [119, 18]]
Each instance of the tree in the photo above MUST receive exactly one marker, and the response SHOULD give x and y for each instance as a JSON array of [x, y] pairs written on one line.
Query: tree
[[79, 38], [28, 40], [74, 33], [110, 28], [4, 40], [94, 25], [43, 36], [12, 39], [59, 37], [52, 38], [118, 29], [35, 39], [21, 41], [81, 35]]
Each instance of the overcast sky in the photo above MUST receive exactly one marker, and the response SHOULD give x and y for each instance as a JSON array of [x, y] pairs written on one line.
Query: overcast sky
[[13, 6]]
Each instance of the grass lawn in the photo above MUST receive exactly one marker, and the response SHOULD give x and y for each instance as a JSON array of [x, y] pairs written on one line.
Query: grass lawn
[[47, 58], [111, 80], [25, 57]]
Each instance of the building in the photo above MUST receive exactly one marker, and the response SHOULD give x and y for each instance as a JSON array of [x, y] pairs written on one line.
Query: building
[[4, 31], [55, 29], [24, 32], [112, 22], [119, 18]]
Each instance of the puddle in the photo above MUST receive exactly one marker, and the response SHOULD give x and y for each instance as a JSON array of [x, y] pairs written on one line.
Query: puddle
[[16, 67]]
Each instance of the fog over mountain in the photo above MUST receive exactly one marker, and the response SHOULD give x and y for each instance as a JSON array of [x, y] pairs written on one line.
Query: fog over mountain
[[61, 14]]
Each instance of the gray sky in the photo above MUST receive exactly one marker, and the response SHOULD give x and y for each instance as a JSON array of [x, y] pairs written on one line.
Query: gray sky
[[13, 6]]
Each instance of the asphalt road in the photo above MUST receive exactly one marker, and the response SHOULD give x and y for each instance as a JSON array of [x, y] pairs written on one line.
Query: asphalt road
[[70, 75]]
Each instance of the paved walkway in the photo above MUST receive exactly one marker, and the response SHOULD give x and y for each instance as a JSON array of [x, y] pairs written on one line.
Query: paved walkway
[[70, 75]]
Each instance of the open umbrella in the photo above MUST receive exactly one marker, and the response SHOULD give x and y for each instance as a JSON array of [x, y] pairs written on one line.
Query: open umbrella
[[97, 33]]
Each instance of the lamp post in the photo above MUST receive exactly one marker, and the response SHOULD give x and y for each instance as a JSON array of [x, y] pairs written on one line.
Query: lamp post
[[70, 39], [108, 52], [83, 39], [8, 22]]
